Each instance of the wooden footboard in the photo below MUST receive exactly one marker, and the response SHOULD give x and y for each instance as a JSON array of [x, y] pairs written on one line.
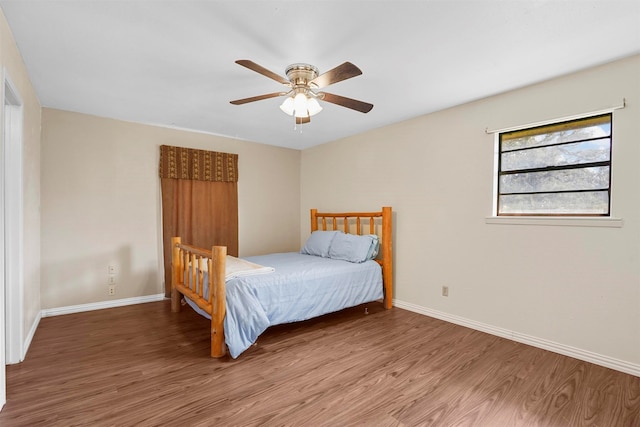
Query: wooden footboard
[[188, 268], [190, 265]]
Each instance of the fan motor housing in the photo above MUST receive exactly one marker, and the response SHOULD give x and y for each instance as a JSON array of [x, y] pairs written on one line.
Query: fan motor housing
[[301, 74]]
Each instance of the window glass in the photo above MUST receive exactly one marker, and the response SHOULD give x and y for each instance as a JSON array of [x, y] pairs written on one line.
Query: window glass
[[557, 169]]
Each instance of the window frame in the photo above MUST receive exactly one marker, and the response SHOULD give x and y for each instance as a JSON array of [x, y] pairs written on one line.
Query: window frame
[[550, 168]]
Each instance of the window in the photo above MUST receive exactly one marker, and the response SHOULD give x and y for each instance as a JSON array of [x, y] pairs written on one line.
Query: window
[[558, 169]]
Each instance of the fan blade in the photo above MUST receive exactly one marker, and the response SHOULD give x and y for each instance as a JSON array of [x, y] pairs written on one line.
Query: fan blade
[[257, 98], [341, 72], [259, 69], [343, 101], [302, 120]]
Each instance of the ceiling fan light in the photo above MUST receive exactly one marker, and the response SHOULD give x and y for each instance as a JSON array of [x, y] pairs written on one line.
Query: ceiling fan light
[[287, 106], [313, 106], [300, 105]]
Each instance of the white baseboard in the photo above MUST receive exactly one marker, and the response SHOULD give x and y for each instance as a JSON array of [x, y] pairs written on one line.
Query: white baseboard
[[566, 350], [100, 305], [32, 332]]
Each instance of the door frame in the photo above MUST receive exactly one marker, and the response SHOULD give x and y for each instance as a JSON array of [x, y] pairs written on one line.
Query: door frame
[[13, 116]]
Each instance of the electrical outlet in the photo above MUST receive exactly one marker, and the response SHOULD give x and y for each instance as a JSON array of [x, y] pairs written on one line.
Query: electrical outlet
[[112, 279], [445, 291], [112, 289]]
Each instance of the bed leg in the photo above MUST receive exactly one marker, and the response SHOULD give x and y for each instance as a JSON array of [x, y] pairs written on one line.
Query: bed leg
[[388, 302], [218, 299], [175, 300], [387, 256], [176, 268]]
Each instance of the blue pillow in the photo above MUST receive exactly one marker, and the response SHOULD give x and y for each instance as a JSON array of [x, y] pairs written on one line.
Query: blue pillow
[[375, 246], [318, 243], [353, 248]]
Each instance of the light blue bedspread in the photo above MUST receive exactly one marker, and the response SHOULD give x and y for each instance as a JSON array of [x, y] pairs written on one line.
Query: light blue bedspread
[[300, 288]]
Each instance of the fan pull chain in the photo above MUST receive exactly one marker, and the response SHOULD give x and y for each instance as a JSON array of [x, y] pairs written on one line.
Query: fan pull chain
[[295, 124]]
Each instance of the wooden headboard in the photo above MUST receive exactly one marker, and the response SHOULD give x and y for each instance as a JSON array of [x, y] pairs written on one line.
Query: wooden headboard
[[379, 223]]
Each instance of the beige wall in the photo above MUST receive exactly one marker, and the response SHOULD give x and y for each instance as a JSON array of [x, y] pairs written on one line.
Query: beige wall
[[576, 286], [101, 203], [13, 68]]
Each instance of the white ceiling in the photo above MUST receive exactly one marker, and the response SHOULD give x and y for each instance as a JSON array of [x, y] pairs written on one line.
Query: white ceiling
[[171, 63]]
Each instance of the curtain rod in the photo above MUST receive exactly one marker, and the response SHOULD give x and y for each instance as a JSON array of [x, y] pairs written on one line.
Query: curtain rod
[[562, 119]]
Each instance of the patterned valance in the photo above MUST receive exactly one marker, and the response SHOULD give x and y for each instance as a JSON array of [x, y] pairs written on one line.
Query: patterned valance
[[199, 165]]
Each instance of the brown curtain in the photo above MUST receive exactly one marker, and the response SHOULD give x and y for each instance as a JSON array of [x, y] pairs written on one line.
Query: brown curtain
[[199, 200]]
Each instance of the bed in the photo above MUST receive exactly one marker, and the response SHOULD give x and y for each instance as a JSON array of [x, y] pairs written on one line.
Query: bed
[[347, 261]]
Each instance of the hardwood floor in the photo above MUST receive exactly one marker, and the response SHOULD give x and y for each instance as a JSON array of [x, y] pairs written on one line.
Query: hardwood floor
[[144, 366]]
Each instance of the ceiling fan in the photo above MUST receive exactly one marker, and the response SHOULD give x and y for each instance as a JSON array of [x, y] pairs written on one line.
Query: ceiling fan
[[304, 82]]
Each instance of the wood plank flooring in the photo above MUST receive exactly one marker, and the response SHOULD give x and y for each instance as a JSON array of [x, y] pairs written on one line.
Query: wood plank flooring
[[144, 366]]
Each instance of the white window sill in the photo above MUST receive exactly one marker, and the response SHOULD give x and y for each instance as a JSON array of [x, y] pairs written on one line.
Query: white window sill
[[556, 221]]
